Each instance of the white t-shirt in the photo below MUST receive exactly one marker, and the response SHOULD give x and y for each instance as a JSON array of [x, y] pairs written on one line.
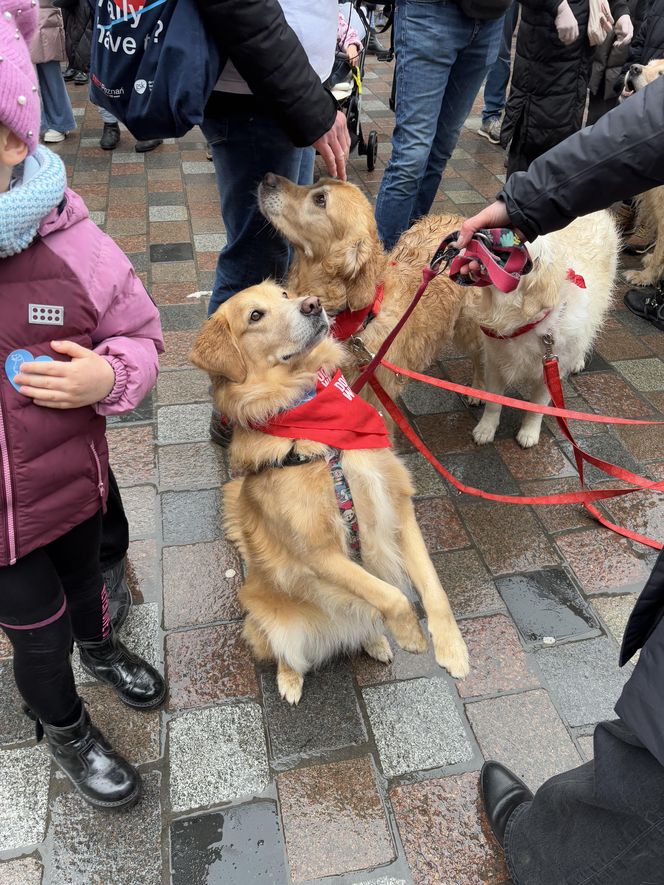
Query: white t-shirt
[[315, 23]]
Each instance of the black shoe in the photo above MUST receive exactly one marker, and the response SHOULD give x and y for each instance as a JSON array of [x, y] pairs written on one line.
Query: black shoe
[[373, 43], [502, 793], [100, 774], [119, 595], [221, 429], [81, 78], [136, 682], [110, 137], [142, 147], [70, 73], [647, 303]]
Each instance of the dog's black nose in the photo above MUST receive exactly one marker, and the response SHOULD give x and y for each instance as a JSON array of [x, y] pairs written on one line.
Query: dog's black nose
[[311, 307], [270, 180], [636, 69]]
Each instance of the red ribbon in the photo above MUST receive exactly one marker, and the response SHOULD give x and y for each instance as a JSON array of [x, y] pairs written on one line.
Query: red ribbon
[[576, 278]]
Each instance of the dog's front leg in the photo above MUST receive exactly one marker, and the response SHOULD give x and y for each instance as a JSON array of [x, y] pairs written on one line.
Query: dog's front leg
[[289, 682], [448, 644], [397, 612], [485, 430], [529, 432]]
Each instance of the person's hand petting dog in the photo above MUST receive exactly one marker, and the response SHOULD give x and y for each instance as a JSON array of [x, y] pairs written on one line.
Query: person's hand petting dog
[[334, 147], [493, 215], [83, 381]]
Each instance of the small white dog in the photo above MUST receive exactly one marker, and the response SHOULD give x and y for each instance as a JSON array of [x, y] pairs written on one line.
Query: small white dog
[[569, 311]]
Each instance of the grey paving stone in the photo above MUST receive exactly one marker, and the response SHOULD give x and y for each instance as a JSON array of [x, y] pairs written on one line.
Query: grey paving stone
[[587, 745], [217, 755], [191, 466], [87, 847], [168, 213], [184, 423], [423, 399], [482, 468], [14, 724], [327, 717], [416, 726], [139, 504], [188, 517], [615, 612], [643, 374], [426, 480], [525, 733], [469, 586], [546, 603], [183, 386], [608, 448], [209, 242], [24, 871], [197, 167], [24, 778], [584, 678], [237, 846], [180, 317], [384, 880]]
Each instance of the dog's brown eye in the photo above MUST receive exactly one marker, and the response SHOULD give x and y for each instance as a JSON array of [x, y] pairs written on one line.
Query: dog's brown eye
[[320, 200], [256, 315]]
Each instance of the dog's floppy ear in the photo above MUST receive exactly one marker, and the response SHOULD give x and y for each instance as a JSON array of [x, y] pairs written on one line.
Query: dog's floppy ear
[[216, 351], [348, 259]]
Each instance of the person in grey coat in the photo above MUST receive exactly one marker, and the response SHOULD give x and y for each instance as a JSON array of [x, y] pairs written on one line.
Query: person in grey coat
[[601, 823]]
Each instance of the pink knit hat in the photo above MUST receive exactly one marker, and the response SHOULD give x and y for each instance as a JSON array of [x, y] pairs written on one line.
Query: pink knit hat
[[20, 109]]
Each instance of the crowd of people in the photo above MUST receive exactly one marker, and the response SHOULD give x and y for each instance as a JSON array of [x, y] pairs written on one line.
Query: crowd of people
[[63, 548]]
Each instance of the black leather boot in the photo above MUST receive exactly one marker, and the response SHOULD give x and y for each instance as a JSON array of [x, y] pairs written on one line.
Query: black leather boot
[[119, 595], [502, 792], [103, 777], [136, 682], [110, 137]]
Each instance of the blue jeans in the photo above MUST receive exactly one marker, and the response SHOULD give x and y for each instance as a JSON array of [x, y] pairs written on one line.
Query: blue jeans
[[495, 88], [244, 148], [56, 108], [442, 57]]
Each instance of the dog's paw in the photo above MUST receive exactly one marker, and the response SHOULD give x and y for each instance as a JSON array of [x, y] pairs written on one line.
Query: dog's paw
[[290, 685], [472, 401], [408, 633], [638, 277], [528, 437], [484, 433], [378, 649], [452, 654]]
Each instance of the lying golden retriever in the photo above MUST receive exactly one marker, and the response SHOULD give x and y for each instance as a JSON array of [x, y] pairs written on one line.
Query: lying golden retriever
[[650, 205], [570, 312], [306, 599], [338, 257]]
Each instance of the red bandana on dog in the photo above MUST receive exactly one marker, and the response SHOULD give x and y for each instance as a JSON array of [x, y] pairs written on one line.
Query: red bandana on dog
[[334, 416]]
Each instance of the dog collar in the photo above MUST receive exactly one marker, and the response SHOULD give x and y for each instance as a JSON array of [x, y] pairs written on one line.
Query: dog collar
[[502, 256], [490, 333], [348, 322]]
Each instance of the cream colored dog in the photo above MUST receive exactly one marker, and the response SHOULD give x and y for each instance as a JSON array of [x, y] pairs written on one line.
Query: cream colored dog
[[306, 599]]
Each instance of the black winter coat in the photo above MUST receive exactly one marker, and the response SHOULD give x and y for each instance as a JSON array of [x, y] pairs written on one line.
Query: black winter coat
[[648, 42], [77, 19], [549, 81], [257, 38]]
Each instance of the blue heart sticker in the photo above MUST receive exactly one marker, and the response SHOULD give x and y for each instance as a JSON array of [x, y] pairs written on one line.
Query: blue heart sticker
[[16, 359]]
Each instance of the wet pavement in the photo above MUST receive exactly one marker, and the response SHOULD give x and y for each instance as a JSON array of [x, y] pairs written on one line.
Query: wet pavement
[[373, 779]]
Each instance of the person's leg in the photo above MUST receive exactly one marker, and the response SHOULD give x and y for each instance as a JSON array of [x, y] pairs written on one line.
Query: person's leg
[[57, 112], [427, 38], [600, 824], [113, 554], [465, 78], [495, 88], [244, 148]]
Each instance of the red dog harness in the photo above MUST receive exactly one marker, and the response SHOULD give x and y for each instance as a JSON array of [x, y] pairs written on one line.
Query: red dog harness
[[348, 322]]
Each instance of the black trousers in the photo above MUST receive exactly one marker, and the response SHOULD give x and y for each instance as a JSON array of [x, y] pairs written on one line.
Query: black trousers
[[114, 528], [600, 824], [48, 598]]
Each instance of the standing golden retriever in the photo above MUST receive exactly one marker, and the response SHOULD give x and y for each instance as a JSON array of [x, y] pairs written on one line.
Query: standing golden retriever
[[306, 599]]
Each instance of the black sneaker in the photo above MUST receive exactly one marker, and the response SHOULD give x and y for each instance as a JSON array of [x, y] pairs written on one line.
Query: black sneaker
[[142, 147], [69, 74], [373, 43], [81, 78], [647, 303], [110, 137], [221, 429]]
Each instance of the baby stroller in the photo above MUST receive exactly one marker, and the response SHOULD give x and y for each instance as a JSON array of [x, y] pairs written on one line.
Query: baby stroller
[[345, 83]]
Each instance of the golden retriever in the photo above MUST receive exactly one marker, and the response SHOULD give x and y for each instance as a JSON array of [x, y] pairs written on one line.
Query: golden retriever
[[650, 205], [305, 598], [589, 247], [338, 257]]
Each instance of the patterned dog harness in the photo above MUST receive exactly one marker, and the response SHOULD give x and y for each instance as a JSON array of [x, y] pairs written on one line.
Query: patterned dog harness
[[502, 256]]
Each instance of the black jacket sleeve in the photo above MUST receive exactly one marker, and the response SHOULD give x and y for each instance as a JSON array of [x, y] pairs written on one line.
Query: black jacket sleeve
[[618, 8], [617, 158], [268, 54]]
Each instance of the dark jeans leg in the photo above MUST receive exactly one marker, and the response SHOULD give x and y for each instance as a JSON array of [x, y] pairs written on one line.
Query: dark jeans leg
[[495, 88], [600, 824], [114, 528]]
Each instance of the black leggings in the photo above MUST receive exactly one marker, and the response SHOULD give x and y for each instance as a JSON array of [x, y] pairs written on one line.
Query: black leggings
[[49, 597]]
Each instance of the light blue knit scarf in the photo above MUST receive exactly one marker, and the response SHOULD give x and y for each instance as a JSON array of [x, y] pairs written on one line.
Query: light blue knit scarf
[[40, 189]]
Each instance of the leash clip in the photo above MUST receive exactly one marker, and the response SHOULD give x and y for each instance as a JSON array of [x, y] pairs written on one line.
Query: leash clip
[[548, 341], [359, 350], [445, 253]]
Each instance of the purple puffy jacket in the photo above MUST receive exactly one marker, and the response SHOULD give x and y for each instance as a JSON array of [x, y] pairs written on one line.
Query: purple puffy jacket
[[53, 462]]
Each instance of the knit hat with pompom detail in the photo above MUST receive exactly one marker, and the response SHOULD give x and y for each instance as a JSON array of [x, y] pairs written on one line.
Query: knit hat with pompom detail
[[20, 109]]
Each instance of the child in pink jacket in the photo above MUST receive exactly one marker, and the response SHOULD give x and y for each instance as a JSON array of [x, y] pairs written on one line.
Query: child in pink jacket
[[79, 339]]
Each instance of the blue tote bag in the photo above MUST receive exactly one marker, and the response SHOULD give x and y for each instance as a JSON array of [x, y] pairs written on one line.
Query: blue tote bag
[[152, 65]]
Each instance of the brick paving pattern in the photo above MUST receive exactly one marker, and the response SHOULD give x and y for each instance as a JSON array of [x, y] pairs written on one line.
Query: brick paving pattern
[[374, 778]]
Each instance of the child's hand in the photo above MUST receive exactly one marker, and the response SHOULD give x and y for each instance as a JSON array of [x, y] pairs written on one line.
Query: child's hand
[[86, 380], [353, 51]]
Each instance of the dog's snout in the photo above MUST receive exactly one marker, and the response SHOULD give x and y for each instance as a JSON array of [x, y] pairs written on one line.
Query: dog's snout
[[311, 306], [270, 180], [635, 70]]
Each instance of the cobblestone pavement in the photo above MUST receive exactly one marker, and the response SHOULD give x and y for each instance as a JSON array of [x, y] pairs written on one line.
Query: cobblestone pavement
[[373, 778]]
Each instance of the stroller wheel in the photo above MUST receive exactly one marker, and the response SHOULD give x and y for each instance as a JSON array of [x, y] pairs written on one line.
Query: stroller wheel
[[372, 150]]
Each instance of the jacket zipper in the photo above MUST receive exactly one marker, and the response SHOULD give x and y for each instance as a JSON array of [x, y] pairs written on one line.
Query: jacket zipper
[[9, 496], [100, 481]]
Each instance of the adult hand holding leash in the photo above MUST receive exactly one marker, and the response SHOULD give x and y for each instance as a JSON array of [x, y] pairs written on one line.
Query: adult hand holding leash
[[334, 147], [493, 215]]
